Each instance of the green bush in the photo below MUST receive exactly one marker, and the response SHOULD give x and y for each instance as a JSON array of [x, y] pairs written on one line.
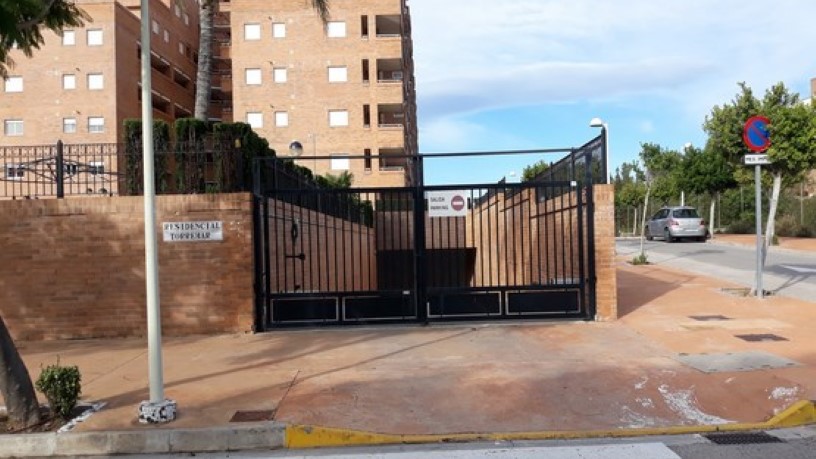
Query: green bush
[[61, 386], [641, 259], [742, 227]]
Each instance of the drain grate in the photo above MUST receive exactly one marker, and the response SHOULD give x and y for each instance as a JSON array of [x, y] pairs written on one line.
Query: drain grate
[[761, 337], [253, 416], [742, 438], [709, 318]]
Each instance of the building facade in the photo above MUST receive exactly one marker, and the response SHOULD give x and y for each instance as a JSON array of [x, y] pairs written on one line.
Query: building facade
[[341, 91], [81, 85]]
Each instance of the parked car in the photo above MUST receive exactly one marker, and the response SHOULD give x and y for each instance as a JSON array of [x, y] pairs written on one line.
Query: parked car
[[674, 223]]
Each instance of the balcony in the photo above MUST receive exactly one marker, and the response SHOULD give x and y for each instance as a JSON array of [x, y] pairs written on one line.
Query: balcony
[[391, 159], [389, 71], [390, 116], [389, 26]]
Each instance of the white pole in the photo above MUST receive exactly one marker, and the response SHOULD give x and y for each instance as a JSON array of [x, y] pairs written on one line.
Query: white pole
[[606, 146], [157, 409], [757, 182]]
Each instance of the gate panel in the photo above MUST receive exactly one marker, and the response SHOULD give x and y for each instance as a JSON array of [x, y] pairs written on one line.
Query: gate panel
[[517, 251], [340, 256]]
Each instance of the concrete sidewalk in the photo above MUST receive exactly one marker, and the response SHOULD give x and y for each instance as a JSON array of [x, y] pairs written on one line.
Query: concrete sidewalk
[[475, 377]]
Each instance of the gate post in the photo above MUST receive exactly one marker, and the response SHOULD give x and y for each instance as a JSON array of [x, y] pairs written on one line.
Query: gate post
[[590, 212], [60, 171], [259, 253], [419, 242]]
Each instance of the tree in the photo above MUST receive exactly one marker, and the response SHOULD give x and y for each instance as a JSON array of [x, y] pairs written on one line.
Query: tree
[[793, 138], [706, 172], [206, 15], [533, 170], [21, 26], [22, 23]]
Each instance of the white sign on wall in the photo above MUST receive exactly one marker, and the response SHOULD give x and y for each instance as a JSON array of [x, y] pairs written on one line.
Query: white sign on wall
[[447, 203], [193, 231]]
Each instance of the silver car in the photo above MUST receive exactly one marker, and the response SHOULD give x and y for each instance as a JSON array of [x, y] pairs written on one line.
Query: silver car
[[674, 223]]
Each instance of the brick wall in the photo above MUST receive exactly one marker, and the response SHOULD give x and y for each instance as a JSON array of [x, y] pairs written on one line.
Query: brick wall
[[607, 285], [74, 268]]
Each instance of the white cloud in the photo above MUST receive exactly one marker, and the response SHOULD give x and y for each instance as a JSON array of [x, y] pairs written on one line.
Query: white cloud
[[477, 55]]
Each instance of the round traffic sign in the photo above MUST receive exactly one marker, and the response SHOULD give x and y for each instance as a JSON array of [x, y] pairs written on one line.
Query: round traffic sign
[[756, 135], [457, 203]]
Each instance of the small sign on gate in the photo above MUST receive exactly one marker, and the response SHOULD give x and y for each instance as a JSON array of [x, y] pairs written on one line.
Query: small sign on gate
[[447, 203]]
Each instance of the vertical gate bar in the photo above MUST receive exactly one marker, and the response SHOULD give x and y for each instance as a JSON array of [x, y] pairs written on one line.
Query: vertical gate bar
[[530, 201], [572, 231], [420, 282], [482, 244], [336, 248], [592, 306], [460, 232], [518, 241], [547, 231], [581, 267], [60, 171], [344, 264], [360, 226], [506, 238], [301, 224], [495, 269], [563, 270], [318, 235]]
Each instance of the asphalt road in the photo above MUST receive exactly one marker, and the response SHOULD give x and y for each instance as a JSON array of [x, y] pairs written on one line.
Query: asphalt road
[[787, 272]]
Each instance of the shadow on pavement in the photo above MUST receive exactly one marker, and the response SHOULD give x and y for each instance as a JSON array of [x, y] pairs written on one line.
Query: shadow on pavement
[[636, 290]]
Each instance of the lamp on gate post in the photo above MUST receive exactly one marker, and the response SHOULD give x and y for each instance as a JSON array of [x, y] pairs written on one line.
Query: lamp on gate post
[[295, 149], [599, 123]]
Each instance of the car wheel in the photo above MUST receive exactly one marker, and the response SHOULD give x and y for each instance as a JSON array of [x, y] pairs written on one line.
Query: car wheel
[[667, 236], [649, 236]]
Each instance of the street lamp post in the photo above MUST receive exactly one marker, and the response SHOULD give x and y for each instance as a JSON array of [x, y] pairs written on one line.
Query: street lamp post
[[597, 122]]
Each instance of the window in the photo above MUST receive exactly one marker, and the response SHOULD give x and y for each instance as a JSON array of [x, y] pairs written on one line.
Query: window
[[15, 171], [69, 125], [166, 36], [253, 76], [252, 31], [340, 162], [69, 81], [155, 27], [338, 118], [94, 37], [177, 10], [279, 74], [13, 127], [96, 81], [14, 84], [365, 71], [279, 30], [96, 124], [367, 155], [364, 26], [281, 119], [68, 38], [336, 29], [255, 119], [181, 48], [186, 19], [338, 74], [96, 167]]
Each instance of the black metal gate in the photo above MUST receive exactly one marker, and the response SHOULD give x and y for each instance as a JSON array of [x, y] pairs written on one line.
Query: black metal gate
[[375, 255]]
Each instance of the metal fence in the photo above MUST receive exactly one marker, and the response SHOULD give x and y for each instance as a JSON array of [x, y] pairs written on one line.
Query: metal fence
[[59, 170]]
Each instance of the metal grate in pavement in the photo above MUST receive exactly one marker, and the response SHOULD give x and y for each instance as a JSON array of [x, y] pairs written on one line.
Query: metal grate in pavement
[[253, 416], [761, 337], [742, 438], [709, 318]]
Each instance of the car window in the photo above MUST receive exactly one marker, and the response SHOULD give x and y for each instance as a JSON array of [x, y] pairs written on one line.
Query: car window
[[685, 213], [658, 215]]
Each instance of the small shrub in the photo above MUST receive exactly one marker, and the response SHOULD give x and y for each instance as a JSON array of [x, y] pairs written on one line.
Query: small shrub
[[61, 386], [641, 259], [742, 227], [786, 225], [804, 231]]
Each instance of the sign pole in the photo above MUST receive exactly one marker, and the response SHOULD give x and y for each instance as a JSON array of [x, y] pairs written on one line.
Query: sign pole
[[758, 184], [757, 137]]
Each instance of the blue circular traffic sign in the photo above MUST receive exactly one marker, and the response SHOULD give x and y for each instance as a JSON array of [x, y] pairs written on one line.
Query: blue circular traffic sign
[[756, 134]]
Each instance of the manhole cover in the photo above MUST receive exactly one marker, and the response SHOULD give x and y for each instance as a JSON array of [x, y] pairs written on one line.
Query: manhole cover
[[761, 337], [253, 416], [742, 438], [709, 318]]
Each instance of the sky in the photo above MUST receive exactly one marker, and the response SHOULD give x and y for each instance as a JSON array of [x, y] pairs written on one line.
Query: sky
[[531, 74]]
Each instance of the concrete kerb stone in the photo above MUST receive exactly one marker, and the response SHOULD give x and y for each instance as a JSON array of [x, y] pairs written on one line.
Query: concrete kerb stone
[[302, 436], [268, 435]]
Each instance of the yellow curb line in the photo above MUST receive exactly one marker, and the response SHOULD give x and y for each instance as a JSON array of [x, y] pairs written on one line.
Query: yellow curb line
[[304, 436]]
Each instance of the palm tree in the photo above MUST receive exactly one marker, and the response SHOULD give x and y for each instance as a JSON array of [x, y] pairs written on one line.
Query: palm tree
[[206, 14]]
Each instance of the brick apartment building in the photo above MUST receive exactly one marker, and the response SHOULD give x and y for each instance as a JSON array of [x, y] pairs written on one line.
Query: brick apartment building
[[342, 89], [81, 85]]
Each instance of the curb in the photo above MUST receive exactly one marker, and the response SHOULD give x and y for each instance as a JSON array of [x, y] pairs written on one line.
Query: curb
[[154, 440], [303, 436]]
